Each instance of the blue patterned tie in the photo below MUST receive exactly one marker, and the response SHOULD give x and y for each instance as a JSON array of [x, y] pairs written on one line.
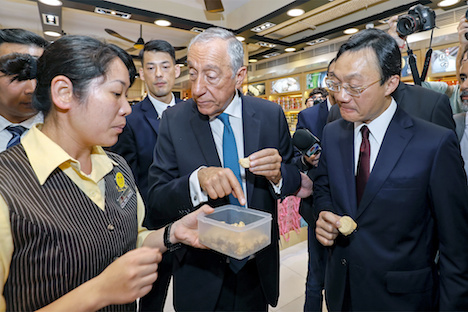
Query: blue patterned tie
[[230, 158], [16, 132], [231, 161]]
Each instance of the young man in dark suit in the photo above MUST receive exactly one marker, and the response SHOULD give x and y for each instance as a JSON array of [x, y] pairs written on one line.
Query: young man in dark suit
[[189, 171], [16, 111], [138, 140], [402, 180]]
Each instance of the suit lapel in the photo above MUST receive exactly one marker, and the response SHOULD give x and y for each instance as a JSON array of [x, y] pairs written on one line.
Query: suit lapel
[[251, 128], [150, 114], [397, 137], [202, 130]]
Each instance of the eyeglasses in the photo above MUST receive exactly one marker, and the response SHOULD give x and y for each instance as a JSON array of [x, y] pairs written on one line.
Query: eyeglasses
[[353, 91]]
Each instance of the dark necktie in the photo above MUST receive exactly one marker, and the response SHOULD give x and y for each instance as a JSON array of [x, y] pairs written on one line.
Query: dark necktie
[[363, 168], [16, 132], [231, 161]]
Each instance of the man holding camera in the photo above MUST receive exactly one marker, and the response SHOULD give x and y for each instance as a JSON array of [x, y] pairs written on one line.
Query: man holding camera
[[402, 180]]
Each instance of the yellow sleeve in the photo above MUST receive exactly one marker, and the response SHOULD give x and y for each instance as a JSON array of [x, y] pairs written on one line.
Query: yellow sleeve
[[142, 231], [6, 248]]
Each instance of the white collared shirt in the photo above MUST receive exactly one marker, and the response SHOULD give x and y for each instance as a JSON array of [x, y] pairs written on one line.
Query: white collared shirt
[[377, 129], [159, 106], [6, 135], [234, 110]]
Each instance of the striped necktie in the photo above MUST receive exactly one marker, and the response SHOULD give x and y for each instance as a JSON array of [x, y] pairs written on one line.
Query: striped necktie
[[16, 132]]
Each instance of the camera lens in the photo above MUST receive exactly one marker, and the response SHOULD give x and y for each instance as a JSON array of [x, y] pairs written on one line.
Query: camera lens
[[407, 25]]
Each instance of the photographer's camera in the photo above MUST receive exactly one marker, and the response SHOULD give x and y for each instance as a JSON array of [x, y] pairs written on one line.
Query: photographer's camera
[[419, 18]]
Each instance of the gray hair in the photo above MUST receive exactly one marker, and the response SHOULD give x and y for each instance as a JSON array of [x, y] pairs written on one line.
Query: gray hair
[[235, 49]]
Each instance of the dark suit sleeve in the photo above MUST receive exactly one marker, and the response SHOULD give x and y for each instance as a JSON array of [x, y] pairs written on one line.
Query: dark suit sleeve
[[289, 171], [168, 192], [449, 194], [126, 147], [322, 197], [442, 113]]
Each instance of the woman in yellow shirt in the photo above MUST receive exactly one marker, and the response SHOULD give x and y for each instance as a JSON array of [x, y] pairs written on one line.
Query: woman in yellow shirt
[[70, 213]]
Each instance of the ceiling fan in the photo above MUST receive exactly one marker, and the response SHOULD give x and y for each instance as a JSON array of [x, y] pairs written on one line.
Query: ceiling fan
[[137, 45]]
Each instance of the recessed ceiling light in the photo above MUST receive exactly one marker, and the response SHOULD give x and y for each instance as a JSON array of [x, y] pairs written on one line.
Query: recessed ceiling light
[[51, 2], [163, 23], [290, 49], [351, 31], [240, 38], [263, 27], [295, 12], [52, 33], [253, 61], [446, 3]]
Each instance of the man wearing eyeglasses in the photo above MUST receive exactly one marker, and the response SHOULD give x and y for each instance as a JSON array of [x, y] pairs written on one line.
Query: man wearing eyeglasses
[[402, 180]]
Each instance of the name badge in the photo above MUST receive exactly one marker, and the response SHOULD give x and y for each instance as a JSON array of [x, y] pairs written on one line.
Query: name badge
[[125, 192]]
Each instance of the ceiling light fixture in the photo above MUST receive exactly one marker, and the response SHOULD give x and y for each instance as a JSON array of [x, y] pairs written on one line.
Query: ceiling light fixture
[[447, 3], [181, 65], [295, 12], [263, 27], [197, 30], [112, 13], [266, 44], [51, 2], [50, 19], [240, 38], [52, 33], [253, 61], [290, 49], [163, 23], [271, 54], [317, 41], [351, 31]]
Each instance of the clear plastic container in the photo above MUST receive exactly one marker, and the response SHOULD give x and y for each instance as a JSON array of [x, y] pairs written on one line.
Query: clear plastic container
[[235, 231]]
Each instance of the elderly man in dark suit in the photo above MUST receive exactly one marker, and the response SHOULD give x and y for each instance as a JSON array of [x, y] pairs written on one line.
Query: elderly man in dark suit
[[138, 140], [193, 166], [402, 180]]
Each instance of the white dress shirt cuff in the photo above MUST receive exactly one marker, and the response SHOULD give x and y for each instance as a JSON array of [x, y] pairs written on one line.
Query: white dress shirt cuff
[[277, 187], [197, 195]]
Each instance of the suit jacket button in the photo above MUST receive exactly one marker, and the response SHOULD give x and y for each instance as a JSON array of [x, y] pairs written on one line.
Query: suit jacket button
[[344, 262]]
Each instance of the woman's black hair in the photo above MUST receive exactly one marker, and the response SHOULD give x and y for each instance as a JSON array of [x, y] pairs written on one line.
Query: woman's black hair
[[79, 58]]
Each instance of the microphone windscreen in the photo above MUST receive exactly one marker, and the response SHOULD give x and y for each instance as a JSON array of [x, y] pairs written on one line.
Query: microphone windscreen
[[303, 139]]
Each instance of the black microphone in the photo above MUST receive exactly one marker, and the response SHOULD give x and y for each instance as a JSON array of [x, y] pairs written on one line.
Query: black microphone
[[307, 143]]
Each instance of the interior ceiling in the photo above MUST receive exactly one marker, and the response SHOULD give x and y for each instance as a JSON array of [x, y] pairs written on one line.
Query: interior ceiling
[[324, 19]]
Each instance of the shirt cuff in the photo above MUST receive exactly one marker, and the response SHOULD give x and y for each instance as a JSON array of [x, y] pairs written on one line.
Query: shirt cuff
[[277, 187], [197, 195]]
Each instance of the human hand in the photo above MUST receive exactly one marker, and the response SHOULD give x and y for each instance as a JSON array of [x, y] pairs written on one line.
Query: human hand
[[185, 230], [312, 159], [392, 31], [462, 29], [326, 229], [267, 163], [306, 186], [129, 277], [219, 182]]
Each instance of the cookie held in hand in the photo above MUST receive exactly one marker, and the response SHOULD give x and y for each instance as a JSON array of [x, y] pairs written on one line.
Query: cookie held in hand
[[347, 225], [244, 162]]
